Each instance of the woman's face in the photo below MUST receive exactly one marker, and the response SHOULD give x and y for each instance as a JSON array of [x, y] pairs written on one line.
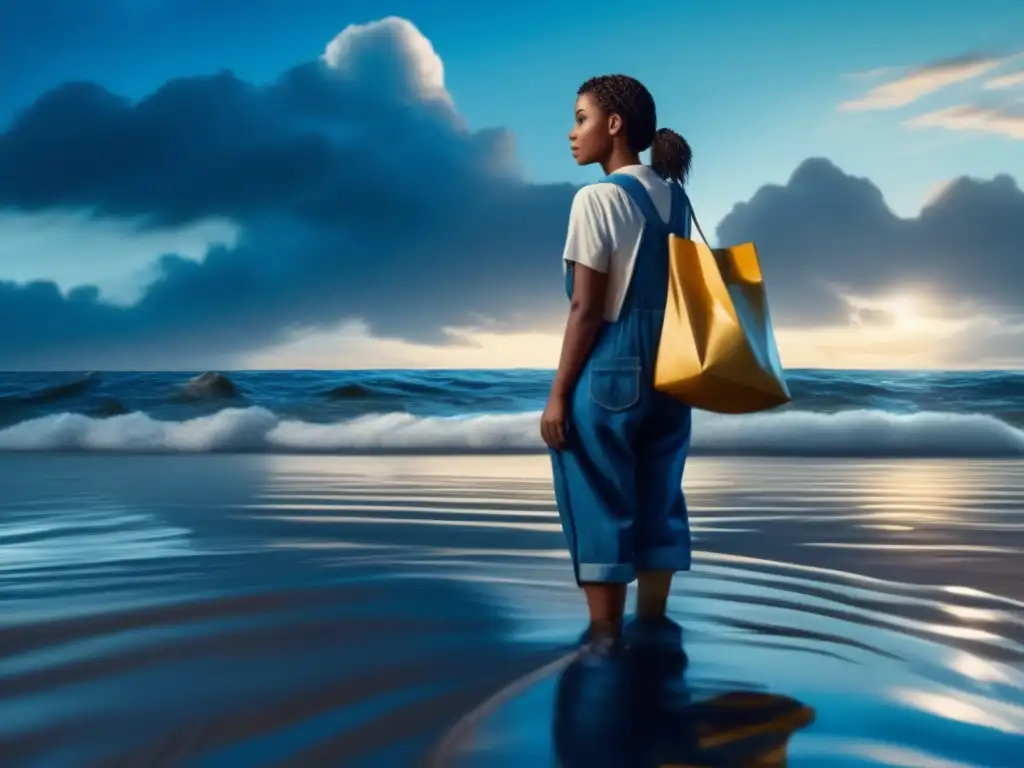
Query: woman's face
[[592, 131]]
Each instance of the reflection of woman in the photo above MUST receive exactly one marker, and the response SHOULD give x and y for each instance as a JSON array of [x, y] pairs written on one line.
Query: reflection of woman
[[618, 445], [636, 711]]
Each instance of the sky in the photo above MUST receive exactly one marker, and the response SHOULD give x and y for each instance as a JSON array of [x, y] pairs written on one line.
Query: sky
[[196, 184]]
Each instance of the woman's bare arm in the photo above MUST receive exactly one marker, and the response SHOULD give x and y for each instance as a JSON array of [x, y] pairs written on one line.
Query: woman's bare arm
[[586, 316]]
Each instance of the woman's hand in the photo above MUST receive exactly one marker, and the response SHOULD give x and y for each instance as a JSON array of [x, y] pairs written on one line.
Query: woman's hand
[[553, 422]]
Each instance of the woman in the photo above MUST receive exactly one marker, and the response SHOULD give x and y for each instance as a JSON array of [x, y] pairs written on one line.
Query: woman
[[618, 446]]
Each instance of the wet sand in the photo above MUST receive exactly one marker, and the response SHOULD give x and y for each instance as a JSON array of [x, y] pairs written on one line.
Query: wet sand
[[287, 610]]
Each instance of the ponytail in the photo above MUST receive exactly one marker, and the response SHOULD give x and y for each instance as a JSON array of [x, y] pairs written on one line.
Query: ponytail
[[671, 155]]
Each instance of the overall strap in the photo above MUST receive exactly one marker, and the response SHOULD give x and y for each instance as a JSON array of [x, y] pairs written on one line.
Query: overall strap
[[638, 194], [676, 220]]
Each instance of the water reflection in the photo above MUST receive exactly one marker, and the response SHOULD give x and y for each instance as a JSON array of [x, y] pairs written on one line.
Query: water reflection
[[636, 709]]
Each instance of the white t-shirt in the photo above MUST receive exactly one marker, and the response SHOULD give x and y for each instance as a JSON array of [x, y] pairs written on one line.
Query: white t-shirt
[[605, 227]]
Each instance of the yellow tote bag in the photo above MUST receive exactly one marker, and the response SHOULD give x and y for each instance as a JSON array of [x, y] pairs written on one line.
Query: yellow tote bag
[[717, 349]]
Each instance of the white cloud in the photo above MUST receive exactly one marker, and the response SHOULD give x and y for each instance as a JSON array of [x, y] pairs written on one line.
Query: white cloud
[[977, 119], [392, 49], [870, 74], [921, 82], [1011, 80]]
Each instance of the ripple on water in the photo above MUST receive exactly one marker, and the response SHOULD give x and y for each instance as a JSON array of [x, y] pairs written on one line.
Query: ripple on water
[[320, 611], [895, 675]]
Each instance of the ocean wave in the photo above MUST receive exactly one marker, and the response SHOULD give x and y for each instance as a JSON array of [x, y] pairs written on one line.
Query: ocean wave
[[853, 433], [53, 393]]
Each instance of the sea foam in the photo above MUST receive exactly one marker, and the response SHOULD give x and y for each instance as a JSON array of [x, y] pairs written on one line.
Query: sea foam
[[853, 433]]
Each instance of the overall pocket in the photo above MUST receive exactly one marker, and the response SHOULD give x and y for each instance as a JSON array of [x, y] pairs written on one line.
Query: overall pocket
[[615, 383]]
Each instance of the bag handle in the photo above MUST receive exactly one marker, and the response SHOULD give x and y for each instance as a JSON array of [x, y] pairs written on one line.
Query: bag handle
[[697, 224], [693, 215]]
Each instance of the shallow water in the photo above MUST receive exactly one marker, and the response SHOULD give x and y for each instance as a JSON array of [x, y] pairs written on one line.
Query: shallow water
[[300, 610]]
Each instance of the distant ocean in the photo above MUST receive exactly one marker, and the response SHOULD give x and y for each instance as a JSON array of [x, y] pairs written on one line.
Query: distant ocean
[[834, 413]]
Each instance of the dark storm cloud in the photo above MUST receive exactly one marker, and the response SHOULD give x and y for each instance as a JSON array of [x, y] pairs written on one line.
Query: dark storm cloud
[[825, 230], [313, 146], [357, 196], [357, 191]]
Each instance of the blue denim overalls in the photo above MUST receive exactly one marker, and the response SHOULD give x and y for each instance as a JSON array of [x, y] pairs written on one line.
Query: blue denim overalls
[[618, 481]]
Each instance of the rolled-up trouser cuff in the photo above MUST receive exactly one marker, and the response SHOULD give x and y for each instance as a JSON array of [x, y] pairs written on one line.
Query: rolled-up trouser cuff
[[611, 573], [663, 559]]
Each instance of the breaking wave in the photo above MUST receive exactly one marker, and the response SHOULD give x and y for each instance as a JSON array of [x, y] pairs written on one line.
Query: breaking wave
[[852, 433]]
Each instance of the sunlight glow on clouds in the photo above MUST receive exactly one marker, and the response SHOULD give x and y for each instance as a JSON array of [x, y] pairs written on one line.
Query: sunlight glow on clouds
[[992, 118], [351, 345], [901, 330], [1012, 80], [921, 82], [904, 330], [937, 190], [905, 313], [999, 121]]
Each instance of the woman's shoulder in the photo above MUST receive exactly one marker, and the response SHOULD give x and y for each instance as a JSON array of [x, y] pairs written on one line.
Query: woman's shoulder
[[604, 207], [598, 193]]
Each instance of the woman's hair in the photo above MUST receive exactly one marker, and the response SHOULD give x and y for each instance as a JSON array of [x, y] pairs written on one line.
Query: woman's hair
[[671, 155], [628, 98]]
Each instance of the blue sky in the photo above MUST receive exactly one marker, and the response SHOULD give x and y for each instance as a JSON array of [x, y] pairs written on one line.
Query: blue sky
[[753, 85], [757, 88]]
